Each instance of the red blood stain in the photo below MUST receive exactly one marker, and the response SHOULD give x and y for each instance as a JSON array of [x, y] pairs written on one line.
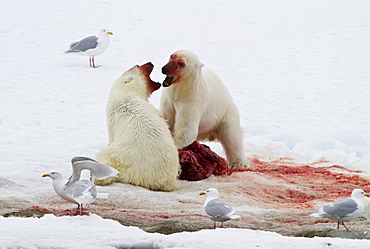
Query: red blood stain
[[103, 210], [173, 64], [146, 70], [282, 186], [305, 183]]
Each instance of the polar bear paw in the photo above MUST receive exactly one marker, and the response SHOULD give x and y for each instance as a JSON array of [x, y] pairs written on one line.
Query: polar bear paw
[[239, 165]]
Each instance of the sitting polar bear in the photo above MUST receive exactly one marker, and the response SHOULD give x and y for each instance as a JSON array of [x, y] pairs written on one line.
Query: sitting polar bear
[[198, 106], [140, 147]]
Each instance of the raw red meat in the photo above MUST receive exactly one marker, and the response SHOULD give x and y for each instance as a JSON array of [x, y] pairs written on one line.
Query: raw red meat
[[198, 162]]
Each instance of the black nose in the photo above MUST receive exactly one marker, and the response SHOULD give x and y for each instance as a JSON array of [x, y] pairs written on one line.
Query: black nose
[[164, 70]]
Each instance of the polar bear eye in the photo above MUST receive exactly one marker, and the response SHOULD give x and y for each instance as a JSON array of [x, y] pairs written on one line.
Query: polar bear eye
[[127, 79], [181, 64]]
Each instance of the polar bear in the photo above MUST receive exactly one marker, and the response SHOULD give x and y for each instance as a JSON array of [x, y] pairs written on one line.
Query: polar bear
[[140, 147], [198, 106]]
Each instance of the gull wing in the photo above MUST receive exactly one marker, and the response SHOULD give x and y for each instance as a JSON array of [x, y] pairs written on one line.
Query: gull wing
[[218, 208], [85, 44], [82, 187], [97, 170], [340, 209]]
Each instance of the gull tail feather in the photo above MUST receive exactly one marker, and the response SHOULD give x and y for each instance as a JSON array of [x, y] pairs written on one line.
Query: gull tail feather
[[316, 215], [102, 196]]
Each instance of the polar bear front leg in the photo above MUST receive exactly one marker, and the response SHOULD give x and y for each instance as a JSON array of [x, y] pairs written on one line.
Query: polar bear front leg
[[185, 129], [167, 110]]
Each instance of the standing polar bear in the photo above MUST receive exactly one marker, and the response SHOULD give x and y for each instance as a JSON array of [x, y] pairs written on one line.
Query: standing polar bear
[[140, 147], [198, 106]]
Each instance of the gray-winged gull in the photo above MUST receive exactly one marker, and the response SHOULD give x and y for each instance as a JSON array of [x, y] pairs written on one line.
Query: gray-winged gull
[[217, 209], [64, 188], [344, 210], [84, 191], [92, 45]]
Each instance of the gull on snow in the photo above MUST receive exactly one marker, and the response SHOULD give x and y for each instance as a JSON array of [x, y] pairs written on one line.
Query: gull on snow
[[216, 209], [84, 191], [92, 45], [70, 189], [344, 210]]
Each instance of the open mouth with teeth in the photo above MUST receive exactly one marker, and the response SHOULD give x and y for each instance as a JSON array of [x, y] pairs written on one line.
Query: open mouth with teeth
[[167, 81], [155, 86], [146, 70]]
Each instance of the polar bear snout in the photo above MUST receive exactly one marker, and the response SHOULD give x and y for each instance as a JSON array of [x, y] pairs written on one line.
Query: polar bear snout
[[165, 70], [172, 66], [147, 68], [169, 69]]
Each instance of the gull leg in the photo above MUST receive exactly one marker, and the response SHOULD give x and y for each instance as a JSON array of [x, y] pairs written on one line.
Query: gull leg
[[345, 226], [90, 62], [78, 209], [93, 60], [338, 225]]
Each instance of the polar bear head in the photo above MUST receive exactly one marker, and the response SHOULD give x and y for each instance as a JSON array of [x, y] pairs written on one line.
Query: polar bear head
[[182, 63], [137, 79]]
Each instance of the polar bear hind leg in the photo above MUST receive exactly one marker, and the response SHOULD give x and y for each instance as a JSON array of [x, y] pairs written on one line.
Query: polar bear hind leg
[[232, 143]]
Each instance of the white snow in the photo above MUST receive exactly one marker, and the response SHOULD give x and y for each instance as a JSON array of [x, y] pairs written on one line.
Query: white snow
[[92, 232], [298, 71]]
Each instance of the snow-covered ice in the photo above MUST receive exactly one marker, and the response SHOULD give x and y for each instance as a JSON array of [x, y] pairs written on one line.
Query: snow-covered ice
[[297, 70], [92, 232]]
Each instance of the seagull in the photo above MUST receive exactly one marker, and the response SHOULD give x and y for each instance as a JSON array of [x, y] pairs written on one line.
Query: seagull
[[216, 209], [92, 45], [84, 191], [64, 188], [344, 210]]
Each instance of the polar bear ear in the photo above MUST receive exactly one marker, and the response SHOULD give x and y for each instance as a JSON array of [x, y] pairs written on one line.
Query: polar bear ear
[[201, 64], [127, 79]]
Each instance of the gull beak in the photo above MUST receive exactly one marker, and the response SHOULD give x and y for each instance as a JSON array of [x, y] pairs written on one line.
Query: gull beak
[[45, 175], [367, 195], [110, 33], [202, 193]]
